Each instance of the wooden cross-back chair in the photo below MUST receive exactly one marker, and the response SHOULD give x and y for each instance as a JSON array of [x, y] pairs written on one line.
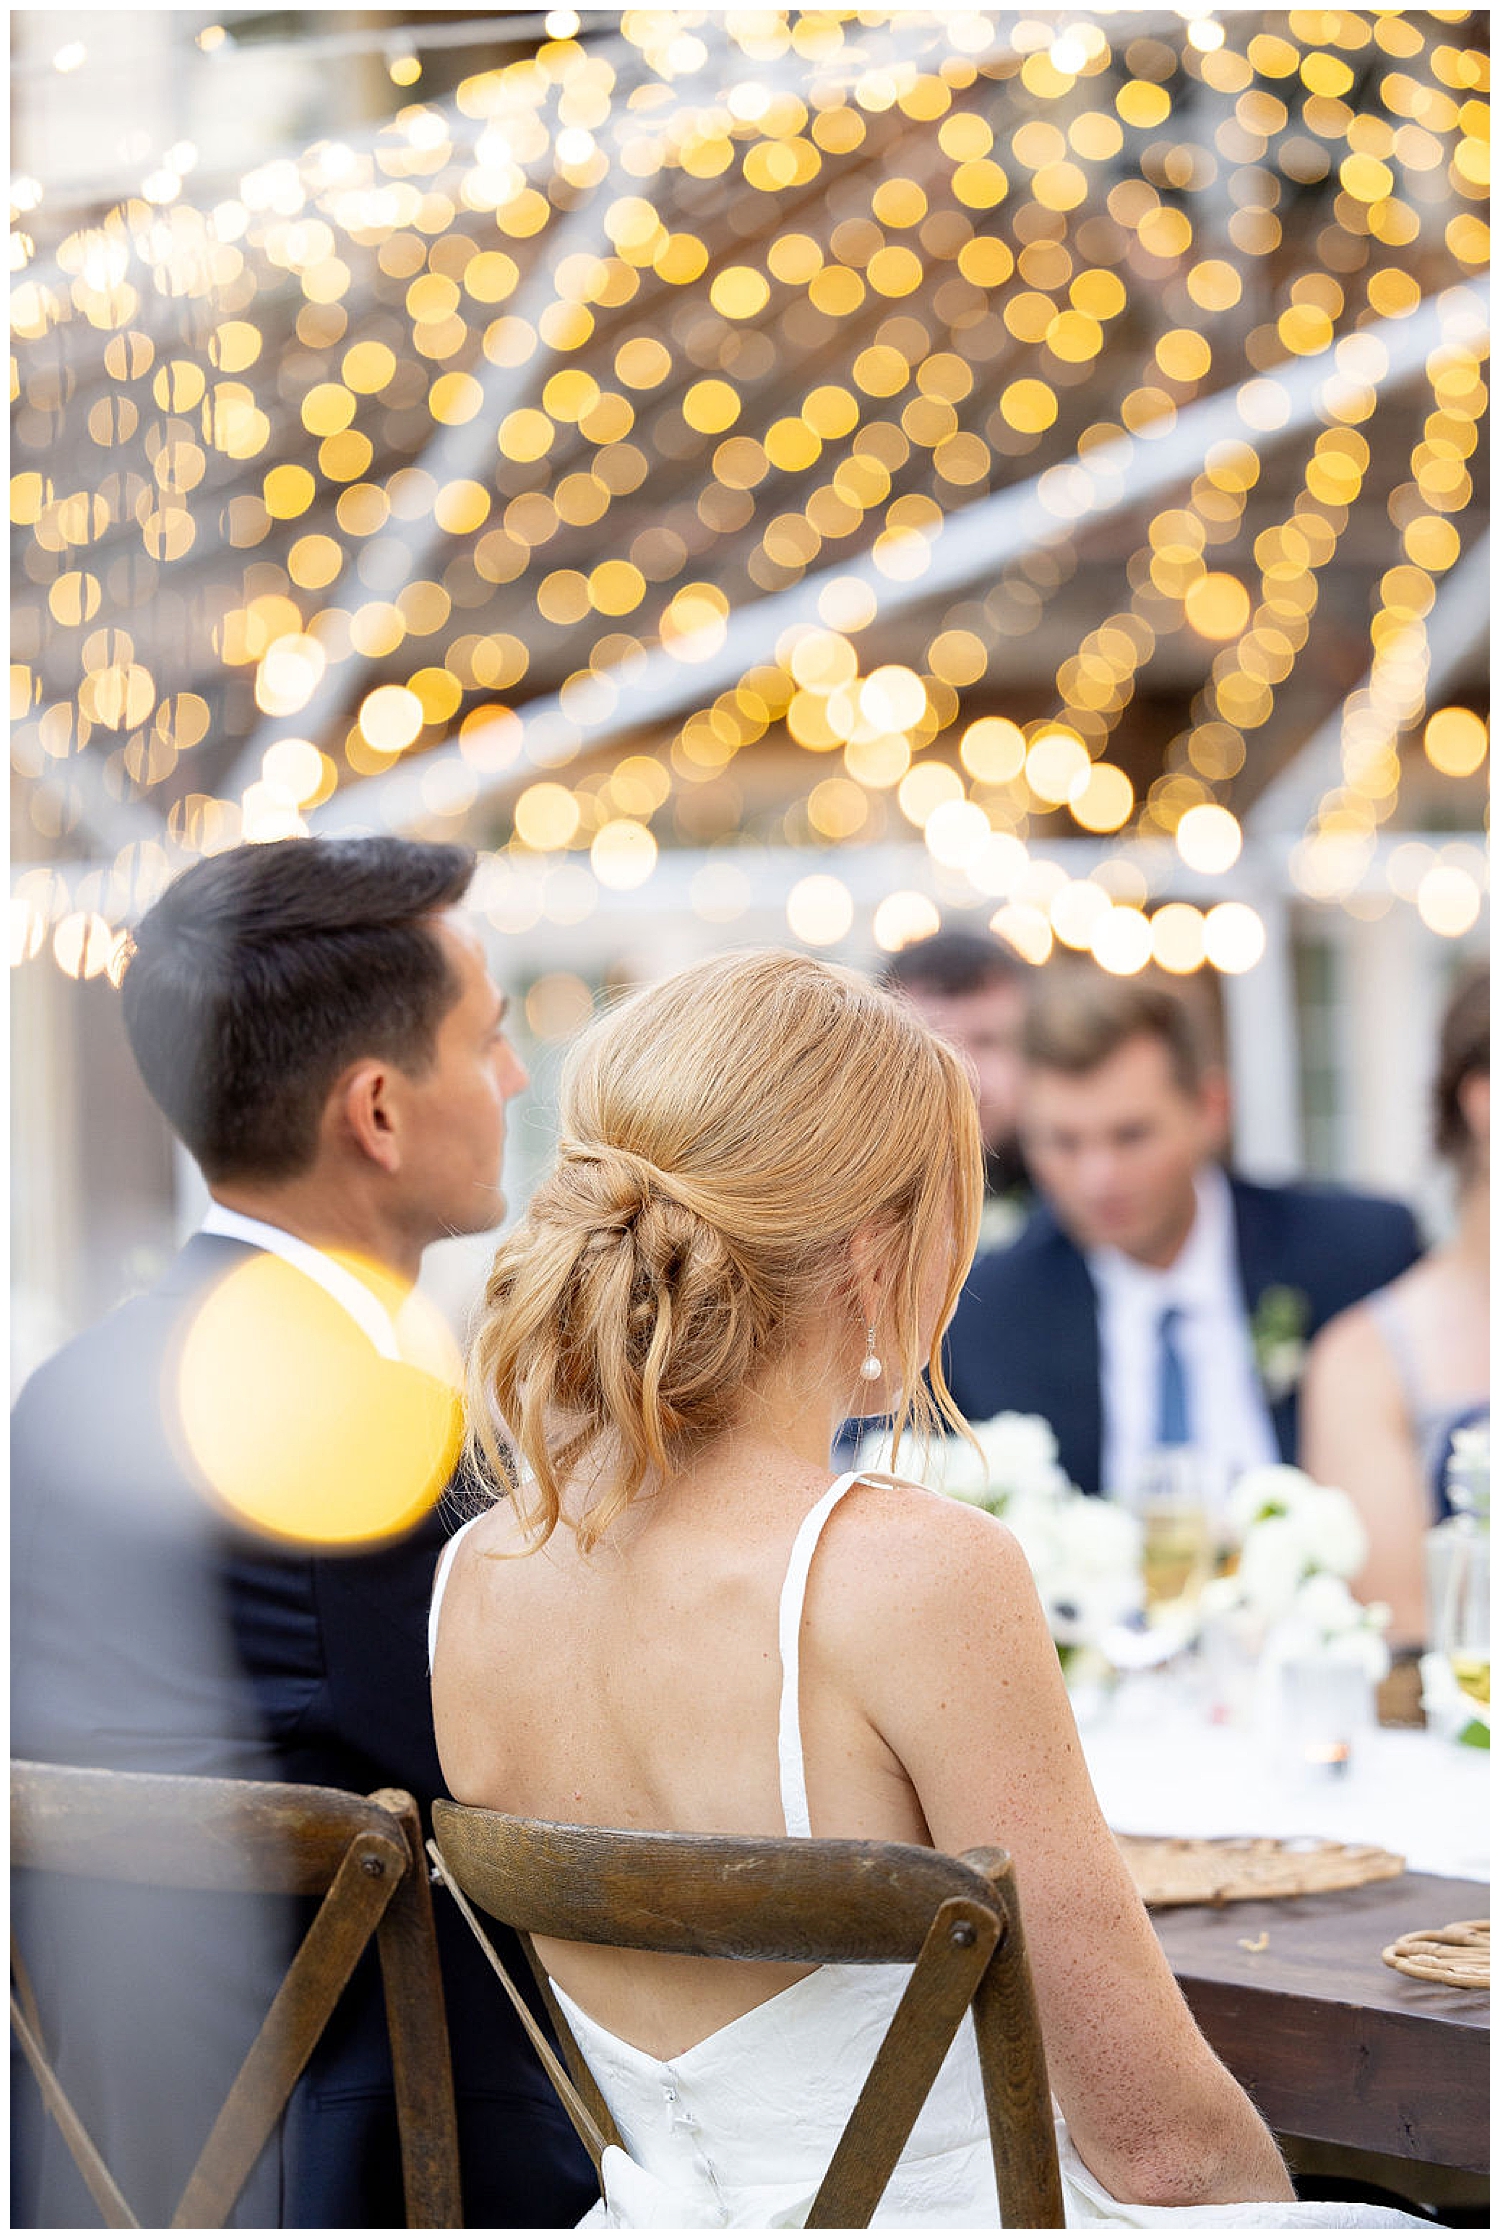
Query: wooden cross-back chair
[[797, 1902], [362, 1855]]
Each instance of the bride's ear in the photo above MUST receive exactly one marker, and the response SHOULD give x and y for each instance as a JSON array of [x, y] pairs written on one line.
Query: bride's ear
[[871, 1267]]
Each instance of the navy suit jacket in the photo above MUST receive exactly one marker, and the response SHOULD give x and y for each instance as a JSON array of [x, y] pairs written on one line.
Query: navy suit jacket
[[149, 1636], [1026, 1332]]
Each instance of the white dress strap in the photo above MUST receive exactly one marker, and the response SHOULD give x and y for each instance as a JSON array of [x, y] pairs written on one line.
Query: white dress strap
[[790, 1763], [439, 1585]]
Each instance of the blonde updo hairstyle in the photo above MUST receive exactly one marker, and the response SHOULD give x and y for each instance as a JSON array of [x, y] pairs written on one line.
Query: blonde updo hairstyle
[[723, 1135]]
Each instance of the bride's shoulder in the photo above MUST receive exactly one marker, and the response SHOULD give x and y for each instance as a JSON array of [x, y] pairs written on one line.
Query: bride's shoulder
[[922, 1583], [923, 1539], [494, 1531]]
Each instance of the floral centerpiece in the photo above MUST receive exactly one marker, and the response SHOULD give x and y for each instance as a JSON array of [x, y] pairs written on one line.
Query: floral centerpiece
[[1084, 1554], [1287, 1603]]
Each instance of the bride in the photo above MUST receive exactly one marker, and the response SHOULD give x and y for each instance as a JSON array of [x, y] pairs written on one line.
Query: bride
[[763, 1205]]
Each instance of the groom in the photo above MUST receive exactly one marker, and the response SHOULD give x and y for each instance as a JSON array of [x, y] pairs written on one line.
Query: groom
[[225, 1531], [1153, 1300]]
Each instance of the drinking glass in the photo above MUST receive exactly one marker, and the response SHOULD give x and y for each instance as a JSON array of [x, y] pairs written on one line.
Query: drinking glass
[[1458, 1569], [1460, 1589], [1323, 1706], [1171, 1496]]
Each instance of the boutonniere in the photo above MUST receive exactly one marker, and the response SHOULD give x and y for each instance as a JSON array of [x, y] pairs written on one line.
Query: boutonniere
[[1278, 1337]]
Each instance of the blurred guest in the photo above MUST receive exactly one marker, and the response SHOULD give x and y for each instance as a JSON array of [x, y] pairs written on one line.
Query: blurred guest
[[225, 1532], [1389, 1381], [972, 990], [1153, 1301]]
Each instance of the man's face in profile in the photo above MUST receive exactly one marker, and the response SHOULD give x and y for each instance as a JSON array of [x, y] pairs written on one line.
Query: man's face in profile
[[456, 1108]]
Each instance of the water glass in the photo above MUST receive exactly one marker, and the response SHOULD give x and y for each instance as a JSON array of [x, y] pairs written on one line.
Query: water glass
[[1325, 1703]]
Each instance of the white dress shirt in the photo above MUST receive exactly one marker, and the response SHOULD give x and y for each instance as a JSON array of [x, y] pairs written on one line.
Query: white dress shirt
[[1230, 1424], [358, 1301]]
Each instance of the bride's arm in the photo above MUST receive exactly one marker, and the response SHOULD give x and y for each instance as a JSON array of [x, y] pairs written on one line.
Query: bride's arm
[[963, 1684]]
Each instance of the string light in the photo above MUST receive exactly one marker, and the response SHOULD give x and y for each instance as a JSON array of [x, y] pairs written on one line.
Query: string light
[[372, 446]]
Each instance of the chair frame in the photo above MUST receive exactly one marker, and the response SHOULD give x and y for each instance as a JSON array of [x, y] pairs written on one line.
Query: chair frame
[[801, 1902], [362, 1855]]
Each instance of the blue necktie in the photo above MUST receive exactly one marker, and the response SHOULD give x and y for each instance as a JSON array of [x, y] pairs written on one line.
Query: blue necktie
[[1171, 1383]]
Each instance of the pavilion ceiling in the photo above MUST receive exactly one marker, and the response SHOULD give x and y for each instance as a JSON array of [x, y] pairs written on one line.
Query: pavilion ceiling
[[819, 428]]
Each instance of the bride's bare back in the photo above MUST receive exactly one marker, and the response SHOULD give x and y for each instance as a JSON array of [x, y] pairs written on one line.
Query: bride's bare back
[[642, 1686]]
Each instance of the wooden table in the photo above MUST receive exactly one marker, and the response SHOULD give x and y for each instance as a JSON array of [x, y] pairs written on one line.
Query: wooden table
[[1330, 2043]]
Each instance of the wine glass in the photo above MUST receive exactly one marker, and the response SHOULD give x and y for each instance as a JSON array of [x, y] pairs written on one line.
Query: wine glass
[[1172, 1497]]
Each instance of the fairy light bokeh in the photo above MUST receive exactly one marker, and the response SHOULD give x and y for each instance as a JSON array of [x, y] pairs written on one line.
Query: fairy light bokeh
[[574, 465]]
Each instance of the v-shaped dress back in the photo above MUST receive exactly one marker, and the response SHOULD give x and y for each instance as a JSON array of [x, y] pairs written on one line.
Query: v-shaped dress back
[[737, 2132]]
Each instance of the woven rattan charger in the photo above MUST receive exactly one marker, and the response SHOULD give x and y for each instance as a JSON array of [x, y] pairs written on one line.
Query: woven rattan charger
[[1182, 1870], [1458, 1954]]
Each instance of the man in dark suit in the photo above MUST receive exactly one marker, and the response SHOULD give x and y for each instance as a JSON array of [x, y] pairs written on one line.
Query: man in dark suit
[[225, 1531], [1153, 1302]]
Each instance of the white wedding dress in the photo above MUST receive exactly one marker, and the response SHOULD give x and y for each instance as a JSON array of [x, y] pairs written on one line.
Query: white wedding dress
[[737, 2132]]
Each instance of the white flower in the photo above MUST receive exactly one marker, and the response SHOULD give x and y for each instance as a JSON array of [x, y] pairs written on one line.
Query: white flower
[[1448, 1708], [1021, 1453], [954, 1467], [1221, 1597], [1333, 1538], [1277, 1489], [1037, 1528], [1326, 1605], [1104, 1539], [1081, 1611], [1271, 1566], [1324, 1623]]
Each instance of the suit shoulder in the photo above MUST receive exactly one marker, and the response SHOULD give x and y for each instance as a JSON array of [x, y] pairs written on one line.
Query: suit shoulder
[[1010, 1267], [1336, 1245], [136, 1323], [1330, 1208], [94, 1408]]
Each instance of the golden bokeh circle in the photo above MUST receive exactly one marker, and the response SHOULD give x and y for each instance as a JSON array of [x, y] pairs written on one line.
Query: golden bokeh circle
[[297, 1425]]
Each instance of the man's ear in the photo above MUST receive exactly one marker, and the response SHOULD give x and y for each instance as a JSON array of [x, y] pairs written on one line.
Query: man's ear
[[364, 1110], [1474, 1103], [1214, 1103]]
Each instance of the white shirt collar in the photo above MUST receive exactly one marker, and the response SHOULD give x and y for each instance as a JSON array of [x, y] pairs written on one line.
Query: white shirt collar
[[357, 1300]]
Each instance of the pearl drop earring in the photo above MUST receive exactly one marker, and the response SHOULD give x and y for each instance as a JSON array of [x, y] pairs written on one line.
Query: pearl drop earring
[[872, 1367]]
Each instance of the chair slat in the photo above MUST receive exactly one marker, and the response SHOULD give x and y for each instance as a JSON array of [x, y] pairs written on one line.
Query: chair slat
[[362, 1855], [420, 2059], [1013, 2064], [167, 1831], [707, 1896], [943, 1982], [105, 2193], [312, 1986]]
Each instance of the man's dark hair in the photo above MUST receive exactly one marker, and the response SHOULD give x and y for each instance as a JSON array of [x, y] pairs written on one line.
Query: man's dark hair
[[1463, 1050], [262, 972], [955, 964], [1080, 1017]]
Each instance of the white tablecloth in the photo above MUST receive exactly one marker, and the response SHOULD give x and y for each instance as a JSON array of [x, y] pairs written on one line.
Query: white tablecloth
[[1160, 1768]]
